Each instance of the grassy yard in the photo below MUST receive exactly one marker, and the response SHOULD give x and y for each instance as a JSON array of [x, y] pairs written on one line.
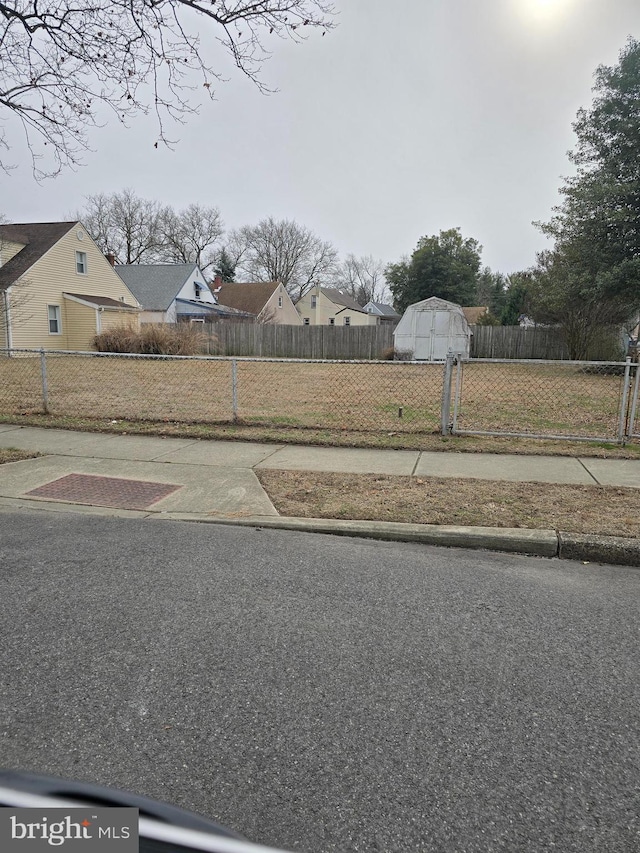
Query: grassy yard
[[384, 399]]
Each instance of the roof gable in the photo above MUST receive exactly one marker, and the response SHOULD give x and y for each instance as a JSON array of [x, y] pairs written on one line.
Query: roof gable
[[339, 298], [434, 303], [37, 238], [474, 313], [155, 286], [382, 309], [251, 296]]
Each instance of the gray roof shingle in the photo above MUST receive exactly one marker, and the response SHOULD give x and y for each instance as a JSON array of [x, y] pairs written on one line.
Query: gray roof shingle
[[384, 309], [340, 298], [155, 286]]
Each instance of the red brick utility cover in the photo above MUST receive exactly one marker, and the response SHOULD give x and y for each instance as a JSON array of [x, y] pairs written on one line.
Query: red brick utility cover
[[104, 491]]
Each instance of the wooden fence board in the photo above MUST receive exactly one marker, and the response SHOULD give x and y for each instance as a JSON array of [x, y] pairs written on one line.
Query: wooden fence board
[[321, 342]]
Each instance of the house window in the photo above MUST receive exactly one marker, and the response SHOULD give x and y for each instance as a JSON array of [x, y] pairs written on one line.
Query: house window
[[198, 288], [314, 300], [332, 321], [54, 319], [347, 321], [279, 301], [81, 263], [305, 321], [197, 320]]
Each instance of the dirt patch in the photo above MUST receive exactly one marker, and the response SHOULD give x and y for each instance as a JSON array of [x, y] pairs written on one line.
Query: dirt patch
[[599, 510]]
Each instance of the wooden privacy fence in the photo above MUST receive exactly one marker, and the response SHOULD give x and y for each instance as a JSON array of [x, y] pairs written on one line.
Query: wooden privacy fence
[[273, 341], [538, 342], [517, 342]]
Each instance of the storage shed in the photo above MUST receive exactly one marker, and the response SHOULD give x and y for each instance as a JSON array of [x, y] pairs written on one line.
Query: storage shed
[[432, 328]]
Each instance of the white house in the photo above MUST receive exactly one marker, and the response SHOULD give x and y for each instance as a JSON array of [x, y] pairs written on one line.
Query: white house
[[170, 293], [384, 314]]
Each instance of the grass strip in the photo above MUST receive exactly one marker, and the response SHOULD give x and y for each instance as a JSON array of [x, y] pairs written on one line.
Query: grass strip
[[330, 438], [12, 454], [600, 510]]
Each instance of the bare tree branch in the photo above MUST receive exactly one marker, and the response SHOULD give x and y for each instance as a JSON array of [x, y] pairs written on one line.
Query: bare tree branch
[[190, 235], [363, 279], [283, 251], [124, 225], [62, 60]]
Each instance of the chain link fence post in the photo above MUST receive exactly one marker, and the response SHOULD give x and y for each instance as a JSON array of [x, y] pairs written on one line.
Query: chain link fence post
[[234, 389], [623, 402], [634, 403], [45, 385], [445, 408]]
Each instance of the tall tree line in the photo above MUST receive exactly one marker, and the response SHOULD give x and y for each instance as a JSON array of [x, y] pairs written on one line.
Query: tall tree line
[[142, 231]]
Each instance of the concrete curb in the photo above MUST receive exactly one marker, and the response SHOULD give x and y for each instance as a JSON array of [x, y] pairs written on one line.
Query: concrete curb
[[538, 543], [614, 550], [599, 549]]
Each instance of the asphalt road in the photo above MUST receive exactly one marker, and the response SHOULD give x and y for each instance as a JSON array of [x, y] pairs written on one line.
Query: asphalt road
[[325, 694]]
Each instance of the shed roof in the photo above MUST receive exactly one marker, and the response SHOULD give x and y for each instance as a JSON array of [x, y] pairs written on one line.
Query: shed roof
[[155, 286], [209, 308], [102, 301], [37, 238]]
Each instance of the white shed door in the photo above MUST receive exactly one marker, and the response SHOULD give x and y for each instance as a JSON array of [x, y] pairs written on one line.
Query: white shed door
[[432, 333]]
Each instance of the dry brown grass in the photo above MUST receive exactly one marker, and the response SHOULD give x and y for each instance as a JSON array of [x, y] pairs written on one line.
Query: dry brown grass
[[12, 454], [539, 398], [152, 339], [385, 399], [577, 509], [283, 434]]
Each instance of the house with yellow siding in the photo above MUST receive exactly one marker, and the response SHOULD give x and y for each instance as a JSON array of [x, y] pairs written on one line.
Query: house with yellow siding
[[328, 306], [57, 289]]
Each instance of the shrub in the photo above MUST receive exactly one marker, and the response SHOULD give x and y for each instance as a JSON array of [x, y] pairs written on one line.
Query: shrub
[[153, 339], [403, 355], [118, 339], [393, 354]]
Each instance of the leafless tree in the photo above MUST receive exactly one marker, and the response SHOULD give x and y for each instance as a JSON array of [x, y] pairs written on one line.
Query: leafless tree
[[282, 250], [61, 62], [191, 235], [124, 225], [141, 231], [363, 279]]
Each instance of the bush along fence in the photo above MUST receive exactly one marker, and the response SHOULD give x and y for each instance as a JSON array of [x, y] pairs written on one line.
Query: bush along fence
[[596, 401]]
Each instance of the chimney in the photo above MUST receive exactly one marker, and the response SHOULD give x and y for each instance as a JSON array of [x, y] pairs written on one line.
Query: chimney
[[111, 258], [217, 282]]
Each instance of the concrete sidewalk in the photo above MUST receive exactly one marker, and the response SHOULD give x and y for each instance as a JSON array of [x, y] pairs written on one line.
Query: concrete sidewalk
[[216, 481]]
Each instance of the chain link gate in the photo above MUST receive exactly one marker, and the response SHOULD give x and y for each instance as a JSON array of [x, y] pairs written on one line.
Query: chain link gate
[[530, 398]]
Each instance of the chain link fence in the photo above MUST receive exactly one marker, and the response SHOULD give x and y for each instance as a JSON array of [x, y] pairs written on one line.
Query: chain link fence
[[333, 395], [543, 399], [538, 399]]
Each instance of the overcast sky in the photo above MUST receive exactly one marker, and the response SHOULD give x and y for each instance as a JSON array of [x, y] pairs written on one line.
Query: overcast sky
[[411, 117]]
